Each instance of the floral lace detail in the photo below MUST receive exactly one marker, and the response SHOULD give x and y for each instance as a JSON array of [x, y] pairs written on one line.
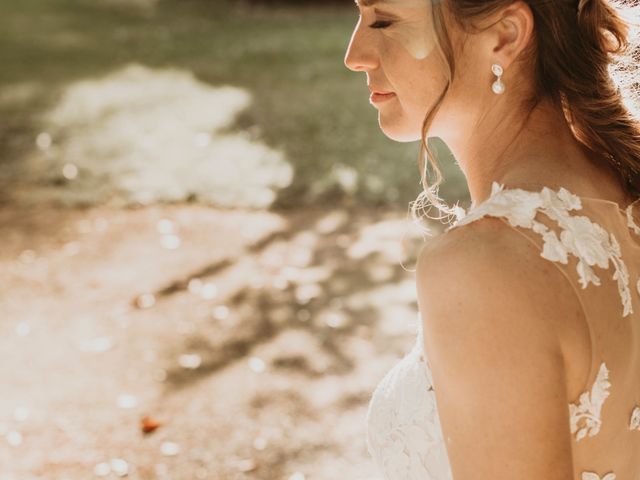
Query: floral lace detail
[[634, 423], [630, 222], [404, 435], [636, 229], [590, 406], [595, 476], [588, 241]]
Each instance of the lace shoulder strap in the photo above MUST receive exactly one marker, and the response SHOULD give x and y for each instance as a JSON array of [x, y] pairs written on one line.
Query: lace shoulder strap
[[562, 233]]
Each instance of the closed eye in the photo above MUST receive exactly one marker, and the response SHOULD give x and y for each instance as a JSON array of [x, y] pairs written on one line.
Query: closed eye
[[381, 24]]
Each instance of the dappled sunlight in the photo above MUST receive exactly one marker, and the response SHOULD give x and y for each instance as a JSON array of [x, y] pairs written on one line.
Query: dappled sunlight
[[181, 338], [139, 136], [270, 309], [382, 238]]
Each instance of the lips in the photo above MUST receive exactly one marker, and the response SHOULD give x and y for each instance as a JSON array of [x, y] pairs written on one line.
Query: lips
[[379, 97], [380, 92]]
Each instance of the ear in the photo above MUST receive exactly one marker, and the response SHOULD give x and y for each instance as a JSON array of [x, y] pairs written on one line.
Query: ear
[[510, 31]]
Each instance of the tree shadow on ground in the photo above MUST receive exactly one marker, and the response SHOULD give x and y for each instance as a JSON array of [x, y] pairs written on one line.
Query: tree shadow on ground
[[267, 311]]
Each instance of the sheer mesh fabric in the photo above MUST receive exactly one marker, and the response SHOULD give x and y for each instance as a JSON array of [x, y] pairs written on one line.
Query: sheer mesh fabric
[[595, 243]]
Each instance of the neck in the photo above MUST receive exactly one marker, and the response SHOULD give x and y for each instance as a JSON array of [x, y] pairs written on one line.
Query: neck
[[538, 150]]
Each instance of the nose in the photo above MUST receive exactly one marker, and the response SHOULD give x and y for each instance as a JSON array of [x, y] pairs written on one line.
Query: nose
[[360, 55]]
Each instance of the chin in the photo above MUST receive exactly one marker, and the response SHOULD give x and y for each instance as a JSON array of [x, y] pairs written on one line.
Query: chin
[[400, 134], [399, 128]]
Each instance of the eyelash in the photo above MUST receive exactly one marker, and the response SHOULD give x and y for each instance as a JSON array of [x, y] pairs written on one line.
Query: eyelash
[[381, 24]]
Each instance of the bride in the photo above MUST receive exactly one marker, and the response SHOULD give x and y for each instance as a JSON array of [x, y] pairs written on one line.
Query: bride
[[527, 358]]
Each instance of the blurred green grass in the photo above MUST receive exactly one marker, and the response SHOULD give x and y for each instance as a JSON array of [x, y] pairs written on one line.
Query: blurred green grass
[[306, 102]]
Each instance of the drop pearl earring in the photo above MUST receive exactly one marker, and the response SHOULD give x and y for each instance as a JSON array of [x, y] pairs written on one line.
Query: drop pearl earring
[[498, 86]]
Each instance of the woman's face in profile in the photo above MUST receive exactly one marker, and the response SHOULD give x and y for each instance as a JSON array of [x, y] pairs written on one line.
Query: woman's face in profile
[[394, 43]]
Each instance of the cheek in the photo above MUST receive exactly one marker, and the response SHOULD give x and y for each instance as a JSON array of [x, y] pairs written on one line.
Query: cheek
[[420, 84], [417, 40], [411, 74], [415, 32]]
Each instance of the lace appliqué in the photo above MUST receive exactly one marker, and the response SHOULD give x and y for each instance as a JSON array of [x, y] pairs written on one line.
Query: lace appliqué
[[404, 435], [588, 241], [590, 406], [634, 423], [636, 229], [595, 476], [630, 222]]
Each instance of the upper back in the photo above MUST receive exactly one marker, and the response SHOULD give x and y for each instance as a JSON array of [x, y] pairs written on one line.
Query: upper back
[[596, 245]]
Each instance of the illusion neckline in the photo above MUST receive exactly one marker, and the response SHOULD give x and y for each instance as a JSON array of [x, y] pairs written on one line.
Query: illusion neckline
[[556, 189]]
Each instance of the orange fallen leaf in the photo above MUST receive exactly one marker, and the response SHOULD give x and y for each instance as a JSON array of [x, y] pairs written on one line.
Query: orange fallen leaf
[[149, 424]]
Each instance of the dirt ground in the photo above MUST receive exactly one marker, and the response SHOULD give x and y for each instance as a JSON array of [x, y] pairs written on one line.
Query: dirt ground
[[250, 340]]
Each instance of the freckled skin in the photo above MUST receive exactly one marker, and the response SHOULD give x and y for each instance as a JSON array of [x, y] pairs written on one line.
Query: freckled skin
[[400, 58], [492, 137], [414, 29]]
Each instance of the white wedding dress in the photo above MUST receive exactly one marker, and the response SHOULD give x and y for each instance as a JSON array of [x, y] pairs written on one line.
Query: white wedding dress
[[596, 243]]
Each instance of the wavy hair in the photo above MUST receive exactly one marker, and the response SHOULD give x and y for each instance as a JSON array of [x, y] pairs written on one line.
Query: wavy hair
[[586, 55]]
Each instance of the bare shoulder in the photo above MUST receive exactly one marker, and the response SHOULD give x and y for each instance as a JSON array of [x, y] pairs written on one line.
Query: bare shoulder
[[490, 269], [490, 306], [488, 244]]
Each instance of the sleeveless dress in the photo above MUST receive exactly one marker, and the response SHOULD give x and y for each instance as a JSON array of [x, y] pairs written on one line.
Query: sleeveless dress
[[596, 245]]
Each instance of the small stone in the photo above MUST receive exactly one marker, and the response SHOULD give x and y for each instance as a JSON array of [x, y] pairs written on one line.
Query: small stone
[[247, 465], [43, 141], [119, 467], [146, 300], [260, 443], [170, 242], [257, 364], [336, 319], [69, 171], [195, 286], [191, 361], [169, 449], [209, 291], [14, 438], [102, 469], [126, 400]]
